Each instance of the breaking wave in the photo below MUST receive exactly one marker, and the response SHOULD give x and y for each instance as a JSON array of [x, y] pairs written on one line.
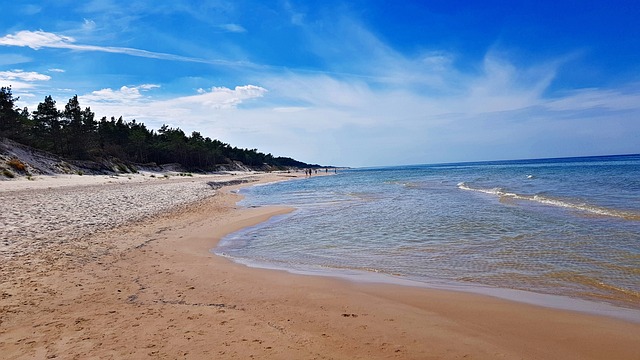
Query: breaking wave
[[541, 199]]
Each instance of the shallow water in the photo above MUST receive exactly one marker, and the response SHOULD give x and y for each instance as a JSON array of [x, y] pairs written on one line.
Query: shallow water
[[567, 227]]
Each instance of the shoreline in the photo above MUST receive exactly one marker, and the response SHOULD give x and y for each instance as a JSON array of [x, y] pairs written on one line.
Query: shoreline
[[154, 289], [553, 301]]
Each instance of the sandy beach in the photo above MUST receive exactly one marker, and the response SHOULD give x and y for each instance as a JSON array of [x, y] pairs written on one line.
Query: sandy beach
[[104, 268]]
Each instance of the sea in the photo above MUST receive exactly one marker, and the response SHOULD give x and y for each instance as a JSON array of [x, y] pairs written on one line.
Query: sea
[[566, 228]]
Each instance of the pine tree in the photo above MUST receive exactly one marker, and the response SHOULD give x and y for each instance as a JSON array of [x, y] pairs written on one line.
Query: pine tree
[[11, 125], [47, 126]]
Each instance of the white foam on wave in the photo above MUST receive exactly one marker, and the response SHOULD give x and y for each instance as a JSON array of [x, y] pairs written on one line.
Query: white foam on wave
[[555, 202]]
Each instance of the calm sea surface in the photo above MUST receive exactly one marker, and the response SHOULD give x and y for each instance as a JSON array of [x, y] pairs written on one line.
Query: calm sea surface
[[566, 227]]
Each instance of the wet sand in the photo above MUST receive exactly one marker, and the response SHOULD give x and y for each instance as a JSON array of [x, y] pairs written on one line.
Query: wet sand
[[148, 287]]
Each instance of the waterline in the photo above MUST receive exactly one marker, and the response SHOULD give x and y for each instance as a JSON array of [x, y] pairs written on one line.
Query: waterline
[[567, 229]]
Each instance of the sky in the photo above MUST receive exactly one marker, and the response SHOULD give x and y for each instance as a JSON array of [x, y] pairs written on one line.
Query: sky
[[346, 83]]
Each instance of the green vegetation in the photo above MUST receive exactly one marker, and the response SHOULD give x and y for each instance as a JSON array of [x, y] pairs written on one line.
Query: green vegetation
[[122, 168], [8, 173], [74, 133]]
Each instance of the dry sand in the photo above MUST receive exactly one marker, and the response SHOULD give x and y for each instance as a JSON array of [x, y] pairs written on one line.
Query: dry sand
[[113, 272]]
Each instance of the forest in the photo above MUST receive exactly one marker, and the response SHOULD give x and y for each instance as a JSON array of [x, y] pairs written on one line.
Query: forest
[[74, 133]]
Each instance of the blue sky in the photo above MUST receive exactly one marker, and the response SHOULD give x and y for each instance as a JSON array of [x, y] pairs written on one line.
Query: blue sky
[[357, 83]]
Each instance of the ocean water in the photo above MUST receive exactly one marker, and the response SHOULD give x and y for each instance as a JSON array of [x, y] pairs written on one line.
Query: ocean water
[[568, 227]]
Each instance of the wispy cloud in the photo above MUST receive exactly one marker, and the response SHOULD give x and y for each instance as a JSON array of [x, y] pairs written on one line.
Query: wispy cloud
[[13, 59], [593, 98], [41, 39], [233, 28], [88, 25], [31, 9]]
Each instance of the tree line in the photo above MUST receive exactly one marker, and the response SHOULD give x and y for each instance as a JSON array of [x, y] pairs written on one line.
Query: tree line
[[74, 133]]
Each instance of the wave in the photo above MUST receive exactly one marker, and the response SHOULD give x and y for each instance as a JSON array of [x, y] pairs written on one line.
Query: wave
[[593, 282], [593, 209]]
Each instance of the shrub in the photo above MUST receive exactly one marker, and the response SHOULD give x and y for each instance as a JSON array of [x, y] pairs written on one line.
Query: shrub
[[17, 165], [122, 168], [8, 173]]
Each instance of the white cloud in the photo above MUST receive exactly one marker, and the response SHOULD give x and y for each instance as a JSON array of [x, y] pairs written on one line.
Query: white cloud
[[233, 28], [222, 97], [41, 39], [149, 86], [124, 95], [36, 40], [23, 75], [21, 80], [56, 70], [88, 25], [131, 103]]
